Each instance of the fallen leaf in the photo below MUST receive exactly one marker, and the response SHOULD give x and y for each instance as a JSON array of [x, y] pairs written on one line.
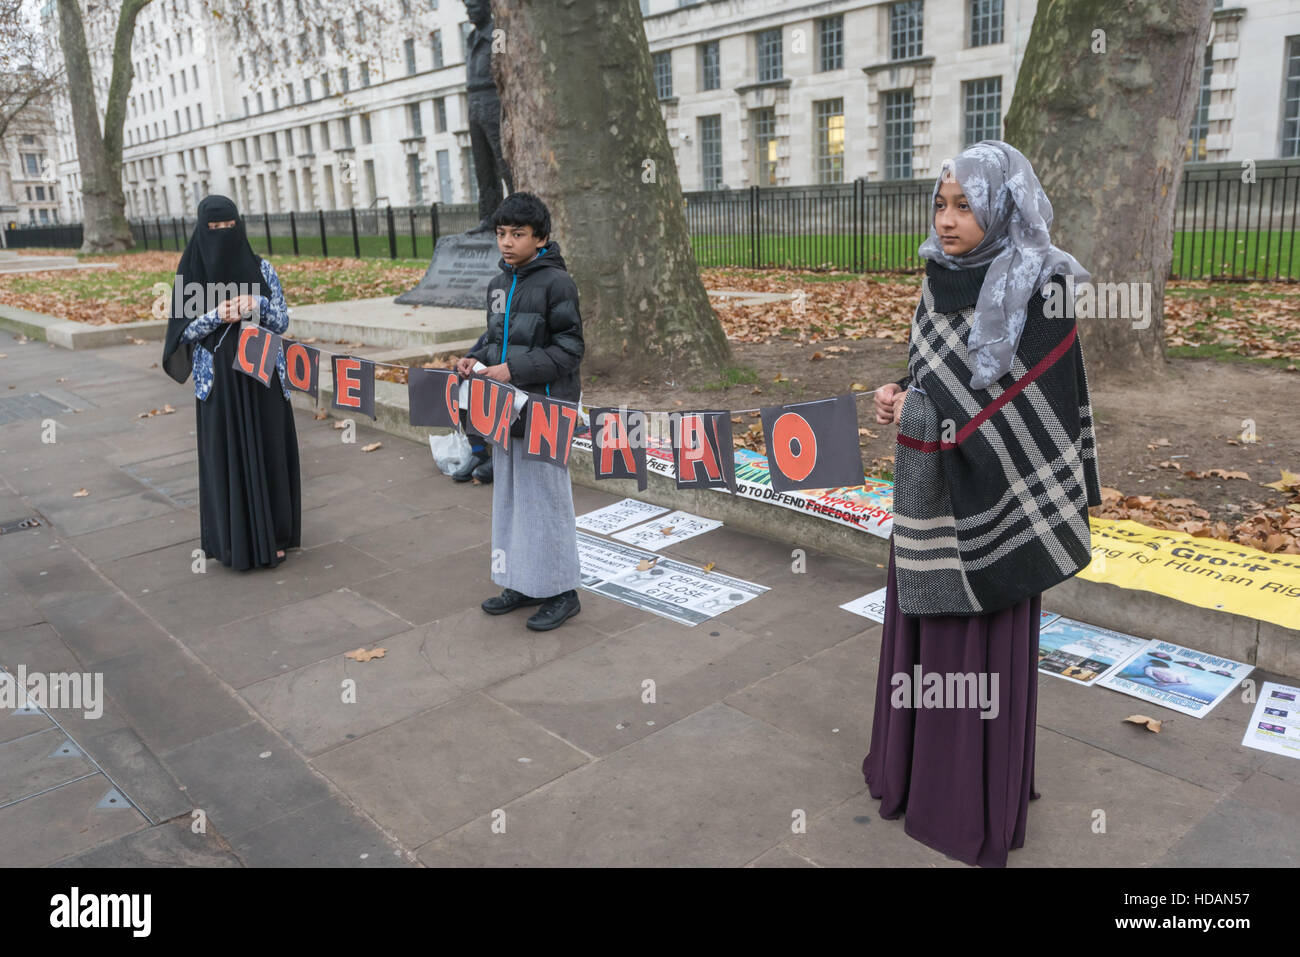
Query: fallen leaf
[[645, 564], [1151, 723], [340, 424], [371, 447], [322, 414], [361, 654], [81, 493], [667, 529], [708, 568]]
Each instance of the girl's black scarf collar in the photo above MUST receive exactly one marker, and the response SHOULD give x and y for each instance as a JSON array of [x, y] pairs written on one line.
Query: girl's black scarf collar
[[954, 289]]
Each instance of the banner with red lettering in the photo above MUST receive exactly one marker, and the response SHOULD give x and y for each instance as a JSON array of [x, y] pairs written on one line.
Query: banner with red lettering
[[702, 453], [354, 385], [813, 444], [432, 397], [256, 352], [491, 410], [551, 424], [303, 365], [619, 444]]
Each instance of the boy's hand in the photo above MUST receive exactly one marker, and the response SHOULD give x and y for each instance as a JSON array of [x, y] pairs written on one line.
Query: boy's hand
[[465, 366], [499, 372], [884, 403]]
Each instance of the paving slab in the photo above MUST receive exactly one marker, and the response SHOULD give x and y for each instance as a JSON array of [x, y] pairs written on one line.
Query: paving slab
[[325, 834], [63, 822], [170, 844]]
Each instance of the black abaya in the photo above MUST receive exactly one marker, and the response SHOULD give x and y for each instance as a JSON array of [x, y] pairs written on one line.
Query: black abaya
[[250, 501]]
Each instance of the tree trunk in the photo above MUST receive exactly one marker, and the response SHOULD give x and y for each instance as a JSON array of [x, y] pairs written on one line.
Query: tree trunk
[[99, 154], [582, 129], [1106, 132]]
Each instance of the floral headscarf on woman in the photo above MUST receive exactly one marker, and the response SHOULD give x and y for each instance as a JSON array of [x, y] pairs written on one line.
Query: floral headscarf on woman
[[1010, 206]]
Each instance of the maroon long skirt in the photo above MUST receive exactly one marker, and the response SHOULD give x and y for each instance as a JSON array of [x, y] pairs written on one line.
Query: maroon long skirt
[[962, 781]]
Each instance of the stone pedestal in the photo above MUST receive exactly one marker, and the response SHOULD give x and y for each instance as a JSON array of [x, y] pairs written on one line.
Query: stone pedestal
[[459, 273]]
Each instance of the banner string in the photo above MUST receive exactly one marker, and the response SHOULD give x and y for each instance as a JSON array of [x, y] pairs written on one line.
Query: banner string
[[585, 409]]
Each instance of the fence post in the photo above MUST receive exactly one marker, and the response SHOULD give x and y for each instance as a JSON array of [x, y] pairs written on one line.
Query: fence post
[[144, 229], [415, 252], [392, 236], [857, 224], [176, 236], [356, 241], [293, 228], [753, 227], [324, 249], [433, 223], [266, 221], [158, 222]]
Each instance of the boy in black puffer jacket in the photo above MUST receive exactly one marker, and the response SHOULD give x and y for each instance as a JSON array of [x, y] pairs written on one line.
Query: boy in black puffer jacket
[[534, 342]]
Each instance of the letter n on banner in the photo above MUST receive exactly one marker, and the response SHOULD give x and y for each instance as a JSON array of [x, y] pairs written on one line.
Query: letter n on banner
[[813, 444], [354, 385], [432, 395], [491, 410], [551, 424], [618, 442], [303, 365], [256, 353], [702, 453]]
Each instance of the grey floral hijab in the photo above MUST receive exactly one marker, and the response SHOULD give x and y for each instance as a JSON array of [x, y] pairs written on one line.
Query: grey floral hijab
[[1010, 206]]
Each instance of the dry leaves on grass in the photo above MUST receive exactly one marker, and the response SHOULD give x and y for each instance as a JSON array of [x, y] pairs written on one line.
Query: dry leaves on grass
[[1253, 324]]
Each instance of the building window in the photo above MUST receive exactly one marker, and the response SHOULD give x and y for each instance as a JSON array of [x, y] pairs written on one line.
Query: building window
[[361, 26], [365, 128], [983, 99], [346, 123], [440, 115], [260, 108], [663, 65], [325, 135], [985, 22], [710, 67], [275, 98], [1200, 130], [306, 139], [905, 30], [768, 49], [409, 46], [1291, 109], [414, 180], [763, 123], [711, 152], [365, 74], [343, 79], [306, 89], [898, 134], [829, 118], [830, 43], [435, 44], [370, 180], [325, 84], [288, 142], [413, 119], [32, 164]]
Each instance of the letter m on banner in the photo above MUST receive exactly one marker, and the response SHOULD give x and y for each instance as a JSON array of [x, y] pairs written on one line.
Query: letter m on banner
[[551, 424]]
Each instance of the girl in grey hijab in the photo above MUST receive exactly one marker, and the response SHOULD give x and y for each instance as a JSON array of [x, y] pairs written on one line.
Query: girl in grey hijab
[[1010, 206]]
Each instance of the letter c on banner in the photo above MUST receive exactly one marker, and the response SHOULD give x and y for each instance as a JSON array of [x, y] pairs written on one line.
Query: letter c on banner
[[789, 428], [242, 355]]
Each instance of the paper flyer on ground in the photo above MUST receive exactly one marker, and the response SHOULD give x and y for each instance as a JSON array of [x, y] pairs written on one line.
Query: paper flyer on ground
[[869, 606], [867, 507], [1083, 653], [620, 515], [667, 530], [1275, 725], [1045, 618], [1176, 677], [674, 590]]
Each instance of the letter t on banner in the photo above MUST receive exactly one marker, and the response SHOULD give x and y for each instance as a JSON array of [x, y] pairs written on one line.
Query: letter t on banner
[[618, 443], [551, 423], [813, 444], [702, 453], [354, 385]]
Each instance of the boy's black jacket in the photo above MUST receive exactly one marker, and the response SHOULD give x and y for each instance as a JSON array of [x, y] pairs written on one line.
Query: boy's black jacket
[[545, 344]]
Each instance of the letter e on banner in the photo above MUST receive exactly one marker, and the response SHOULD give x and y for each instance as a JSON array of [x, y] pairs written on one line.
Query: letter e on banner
[[354, 385]]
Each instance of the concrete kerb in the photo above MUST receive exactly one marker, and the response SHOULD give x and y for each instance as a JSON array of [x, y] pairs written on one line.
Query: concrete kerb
[[1135, 612]]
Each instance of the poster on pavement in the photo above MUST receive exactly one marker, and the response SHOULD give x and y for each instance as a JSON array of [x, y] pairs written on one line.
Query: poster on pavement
[[1275, 725], [869, 606], [620, 515], [1083, 653], [667, 530], [1183, 679]]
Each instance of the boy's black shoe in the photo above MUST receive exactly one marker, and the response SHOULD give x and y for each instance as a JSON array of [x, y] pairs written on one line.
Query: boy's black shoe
[[555, 611], [484, 472], [476, 459], [508, 600]]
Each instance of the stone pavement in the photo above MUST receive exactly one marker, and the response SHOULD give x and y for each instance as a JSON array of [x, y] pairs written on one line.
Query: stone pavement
[[225, 690]]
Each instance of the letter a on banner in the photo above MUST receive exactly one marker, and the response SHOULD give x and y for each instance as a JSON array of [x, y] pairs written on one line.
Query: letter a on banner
[[618, 442], [702, 453], [813, 444], [354, 385], [491, 410], [256, 353], [551, 423], [432, 395], [303, 365]]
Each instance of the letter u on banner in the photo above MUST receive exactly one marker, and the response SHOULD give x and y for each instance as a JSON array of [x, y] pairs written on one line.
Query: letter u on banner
[[618, 445], [491, 410], [303, 365], [432, 397], [354, 385], [551, 424], [813, 444]]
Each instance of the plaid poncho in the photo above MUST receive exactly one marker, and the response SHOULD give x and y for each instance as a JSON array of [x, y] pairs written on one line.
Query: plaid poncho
[[991, 486]]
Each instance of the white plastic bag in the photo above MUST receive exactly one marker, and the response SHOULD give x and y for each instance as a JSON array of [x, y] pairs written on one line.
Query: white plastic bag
[[451, 452]]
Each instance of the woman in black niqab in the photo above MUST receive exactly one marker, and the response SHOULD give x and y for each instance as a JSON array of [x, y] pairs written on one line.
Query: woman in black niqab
[[250, 509]]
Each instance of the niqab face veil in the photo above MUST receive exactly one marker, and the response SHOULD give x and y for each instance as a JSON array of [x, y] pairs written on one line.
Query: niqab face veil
[[1010, 206], [211, 257]]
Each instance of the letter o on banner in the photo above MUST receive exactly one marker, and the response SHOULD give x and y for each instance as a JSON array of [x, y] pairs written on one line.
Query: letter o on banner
[[298, 365], [788, 429]]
